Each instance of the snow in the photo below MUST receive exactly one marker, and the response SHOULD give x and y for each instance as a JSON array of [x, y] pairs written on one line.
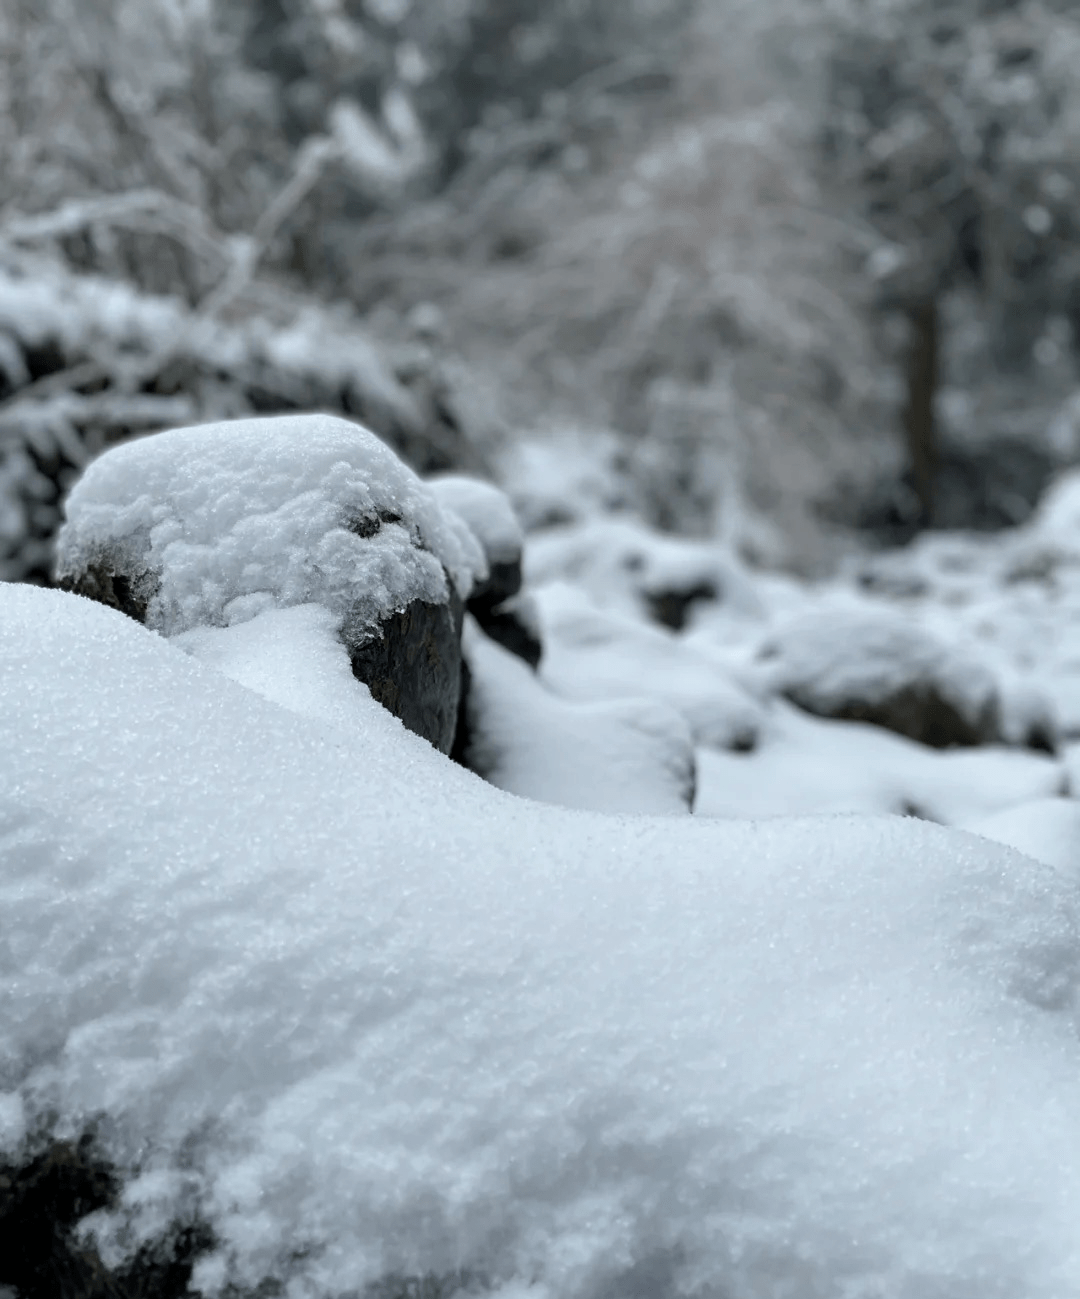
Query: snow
[[632, 755], [1047, 829], [623, 565], [839, 654], [805, 765], [372, 1017], [293, 657], [247, 514], [563, 474], [486, 510], [594, 654]]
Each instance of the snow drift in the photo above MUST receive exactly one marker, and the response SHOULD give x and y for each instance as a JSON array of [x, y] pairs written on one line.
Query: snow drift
[[370, 1017]]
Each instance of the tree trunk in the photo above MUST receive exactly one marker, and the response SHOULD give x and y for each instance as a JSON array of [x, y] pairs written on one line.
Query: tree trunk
[[920, 428]]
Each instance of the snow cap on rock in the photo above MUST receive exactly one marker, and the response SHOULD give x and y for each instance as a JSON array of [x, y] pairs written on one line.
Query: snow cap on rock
[[876, 664], [487, 511], [221, 521]]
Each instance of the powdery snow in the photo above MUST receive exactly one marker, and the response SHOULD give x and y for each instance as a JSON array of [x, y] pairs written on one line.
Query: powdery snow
[[594, 654], [632, 755], [1047, 829], [249, 514], [371, 1016], [486, 510], [805, 765]]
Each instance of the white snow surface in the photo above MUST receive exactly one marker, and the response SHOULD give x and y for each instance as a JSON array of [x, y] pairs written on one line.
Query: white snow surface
[[592, 654], [805, 765], [843, 652], [628, 755], [249, 514], [1047, 829], [293, 657], [372, 1016], [487, 511]]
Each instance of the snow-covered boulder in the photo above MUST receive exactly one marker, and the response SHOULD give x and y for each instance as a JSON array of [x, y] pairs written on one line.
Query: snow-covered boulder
[[497, 601], [599, 654], [633, 755], [354, 1017], [875, 664], [209, 526], [489, 515], [633, 569]]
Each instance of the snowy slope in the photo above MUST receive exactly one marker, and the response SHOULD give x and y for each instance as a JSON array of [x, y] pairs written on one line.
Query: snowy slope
[[371, 1016]]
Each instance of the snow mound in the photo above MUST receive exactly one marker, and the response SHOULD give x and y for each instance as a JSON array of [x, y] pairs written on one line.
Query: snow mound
[[1047, 829], [487, 511], [805, 765], [629, 567], [370, 1017], [868, 663], [1058, 513], [225, 520], [293, 657], [593, 654], [620, 756]]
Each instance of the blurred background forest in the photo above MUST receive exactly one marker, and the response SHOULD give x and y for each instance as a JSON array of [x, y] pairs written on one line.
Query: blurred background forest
[[798, 274]]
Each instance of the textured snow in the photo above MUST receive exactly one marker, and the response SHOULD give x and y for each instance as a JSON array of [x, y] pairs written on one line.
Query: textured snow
[[371, 1016], [633, 755], [250, 514]]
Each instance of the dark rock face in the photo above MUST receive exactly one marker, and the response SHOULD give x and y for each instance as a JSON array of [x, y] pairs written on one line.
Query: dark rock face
[[515, 625], [107, 583], [671, 608], [503, 581], [918, 710], [413, 668], [44, 1196]]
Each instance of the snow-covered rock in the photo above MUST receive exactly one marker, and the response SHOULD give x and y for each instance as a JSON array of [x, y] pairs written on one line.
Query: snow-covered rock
[[633, 569], [593, 654], [489, 515], [633, 755], [805, 765], [497, 601], [210, 526], [874, 664], [367, 1017]]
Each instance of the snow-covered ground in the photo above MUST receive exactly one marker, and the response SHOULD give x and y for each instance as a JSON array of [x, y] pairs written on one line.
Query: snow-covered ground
[[982, 627], [370, 1018]]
